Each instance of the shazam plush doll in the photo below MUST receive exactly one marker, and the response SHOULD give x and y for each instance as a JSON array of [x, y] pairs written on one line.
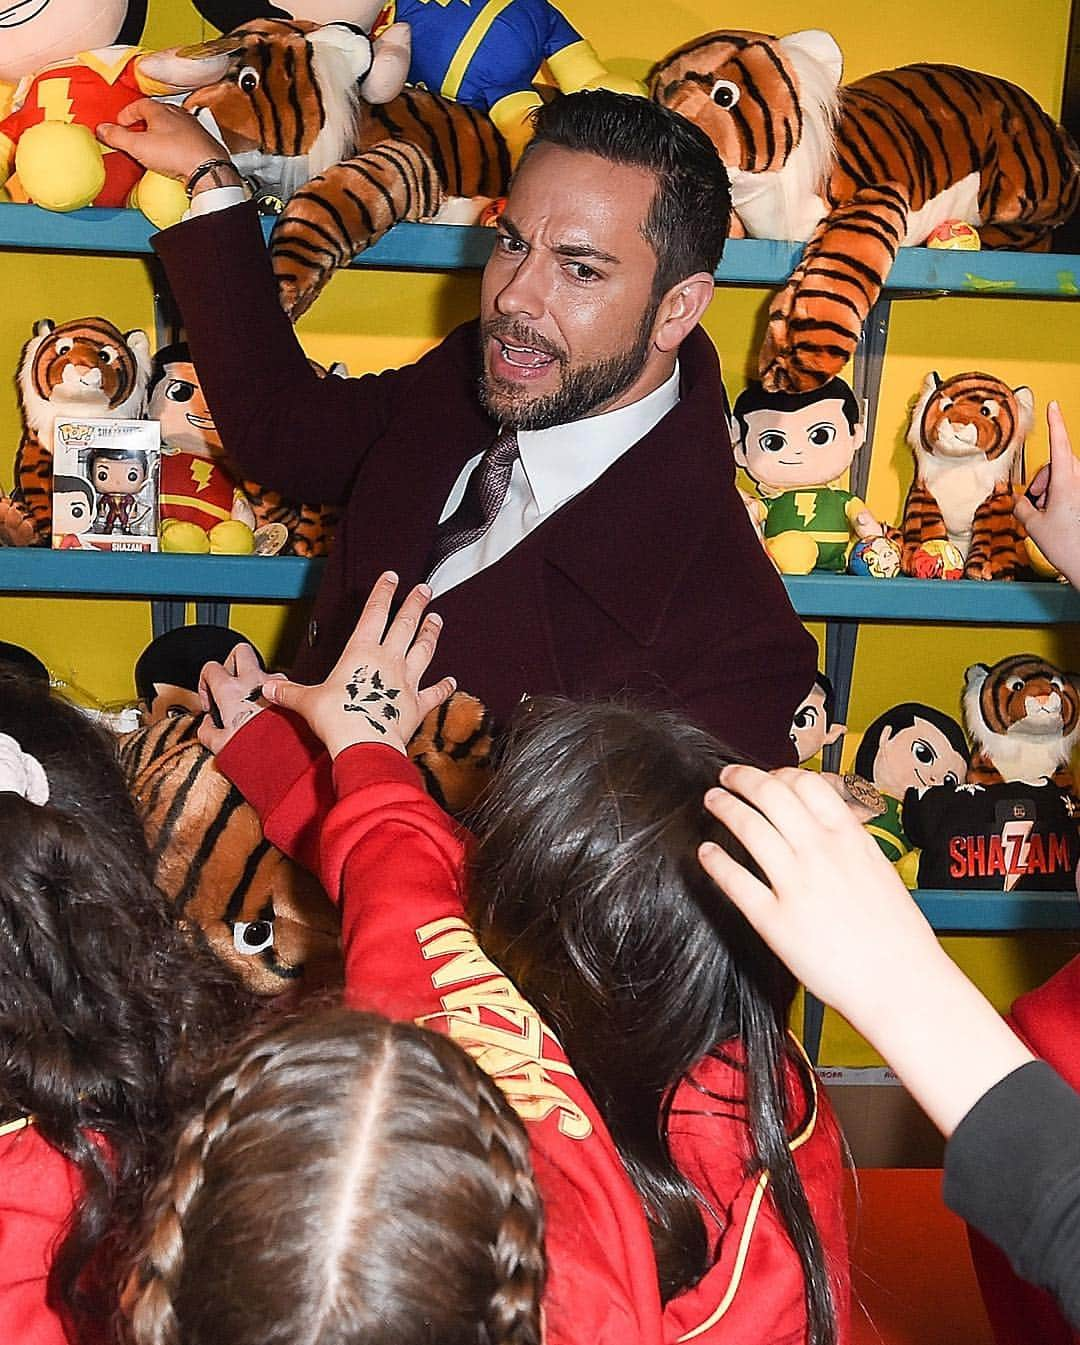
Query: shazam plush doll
[[795, 446], [202, 507], [65, 67]]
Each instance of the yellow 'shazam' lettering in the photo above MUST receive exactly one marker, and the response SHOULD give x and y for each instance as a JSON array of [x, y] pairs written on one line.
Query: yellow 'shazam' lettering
[[201, 472], [503, 1033], [805, 505], [54, 99]]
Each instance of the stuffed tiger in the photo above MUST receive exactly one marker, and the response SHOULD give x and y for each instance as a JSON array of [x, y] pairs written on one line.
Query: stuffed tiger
[[86, 367], [859, 171], [967, 434], [350, 166], [264, 916], [1023, 715]]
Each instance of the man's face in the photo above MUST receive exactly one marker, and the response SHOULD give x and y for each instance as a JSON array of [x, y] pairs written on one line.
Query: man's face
[[71, 512], [789, 449], [916, 757], [810, 728], [118, 476], [169, 701], [566, 308], [178, 405]]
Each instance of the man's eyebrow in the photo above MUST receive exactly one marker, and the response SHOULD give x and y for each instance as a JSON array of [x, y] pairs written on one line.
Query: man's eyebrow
[[563, 249], [585, 250]]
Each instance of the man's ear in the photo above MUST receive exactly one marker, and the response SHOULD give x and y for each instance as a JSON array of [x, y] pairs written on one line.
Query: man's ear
[[681, 309]]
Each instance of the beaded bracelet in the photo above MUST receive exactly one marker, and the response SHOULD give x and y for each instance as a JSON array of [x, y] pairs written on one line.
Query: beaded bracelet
[[209, 166]]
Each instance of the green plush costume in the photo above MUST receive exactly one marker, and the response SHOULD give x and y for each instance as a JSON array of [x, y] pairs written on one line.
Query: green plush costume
[[821, 514]]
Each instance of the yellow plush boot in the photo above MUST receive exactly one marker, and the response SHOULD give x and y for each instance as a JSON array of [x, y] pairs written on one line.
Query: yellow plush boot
[[793, 552]]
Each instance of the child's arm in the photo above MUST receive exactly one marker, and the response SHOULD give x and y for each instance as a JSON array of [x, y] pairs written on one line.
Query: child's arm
[[395, 863], [839, 916], [1051, 510]]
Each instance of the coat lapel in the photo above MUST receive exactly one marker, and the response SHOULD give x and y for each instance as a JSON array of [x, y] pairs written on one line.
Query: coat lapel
[[651, 505]]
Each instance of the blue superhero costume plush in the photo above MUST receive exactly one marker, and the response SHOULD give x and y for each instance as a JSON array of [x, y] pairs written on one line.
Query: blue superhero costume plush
[[484, 53]]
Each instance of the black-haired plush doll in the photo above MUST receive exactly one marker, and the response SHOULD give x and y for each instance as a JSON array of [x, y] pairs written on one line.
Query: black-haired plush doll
[[910, 746], [167, 670]]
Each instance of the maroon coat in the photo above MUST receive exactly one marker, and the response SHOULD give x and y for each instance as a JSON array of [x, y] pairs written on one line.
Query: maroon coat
[[651, 581]]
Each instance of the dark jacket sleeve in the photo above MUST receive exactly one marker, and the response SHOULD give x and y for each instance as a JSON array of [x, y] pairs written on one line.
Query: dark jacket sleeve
[[1012, 1169], [286, 427]]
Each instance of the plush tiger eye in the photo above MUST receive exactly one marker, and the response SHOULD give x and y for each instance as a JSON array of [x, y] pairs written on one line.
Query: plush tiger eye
[[725, 94], [248, 79]]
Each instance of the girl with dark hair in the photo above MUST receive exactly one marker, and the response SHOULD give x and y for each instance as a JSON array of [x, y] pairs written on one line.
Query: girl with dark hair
[[698, 1146], [106, 1011], [368, 1179]]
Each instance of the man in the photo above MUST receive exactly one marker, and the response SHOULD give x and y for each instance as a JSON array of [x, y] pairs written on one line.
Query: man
[[603, 547]]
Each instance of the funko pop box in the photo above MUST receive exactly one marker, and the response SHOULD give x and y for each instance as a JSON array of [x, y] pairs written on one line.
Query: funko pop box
[[105, 485]]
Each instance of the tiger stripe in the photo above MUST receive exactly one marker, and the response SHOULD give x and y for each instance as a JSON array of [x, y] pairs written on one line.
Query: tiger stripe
[[903, 140], [996, 549], [87, 342]]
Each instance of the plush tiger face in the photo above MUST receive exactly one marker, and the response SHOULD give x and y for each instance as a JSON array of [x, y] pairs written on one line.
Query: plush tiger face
[[264, 916], [290, 104], [970, 415], [1023, 714], [86, 367], [768, 105]]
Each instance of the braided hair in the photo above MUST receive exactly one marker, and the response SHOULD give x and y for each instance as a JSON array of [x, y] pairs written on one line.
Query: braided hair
[[107, 1010], [348, 1179]]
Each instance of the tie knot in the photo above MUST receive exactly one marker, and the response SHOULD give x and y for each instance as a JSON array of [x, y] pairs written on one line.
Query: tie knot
[[504, 449]]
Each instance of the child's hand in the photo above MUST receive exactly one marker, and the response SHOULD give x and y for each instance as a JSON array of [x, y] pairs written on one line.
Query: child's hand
[[373, 693], [1051, 509], [836, 911], [231, 694]]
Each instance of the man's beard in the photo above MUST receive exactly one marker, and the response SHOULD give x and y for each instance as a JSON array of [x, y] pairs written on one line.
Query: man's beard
[[581, 391]]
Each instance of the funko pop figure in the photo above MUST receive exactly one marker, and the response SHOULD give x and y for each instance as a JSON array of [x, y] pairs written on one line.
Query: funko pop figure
[[119, 475]]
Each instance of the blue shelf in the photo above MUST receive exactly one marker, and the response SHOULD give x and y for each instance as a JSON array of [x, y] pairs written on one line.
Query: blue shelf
[[118, 575], [848, 597], [842, 597], [445, 247], [998, 912]]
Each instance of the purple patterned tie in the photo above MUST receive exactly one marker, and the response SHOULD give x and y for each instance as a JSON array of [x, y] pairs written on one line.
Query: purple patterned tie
[[484, 495]]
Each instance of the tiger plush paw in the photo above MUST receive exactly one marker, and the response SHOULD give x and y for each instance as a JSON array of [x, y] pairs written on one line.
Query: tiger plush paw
[[16, 526]]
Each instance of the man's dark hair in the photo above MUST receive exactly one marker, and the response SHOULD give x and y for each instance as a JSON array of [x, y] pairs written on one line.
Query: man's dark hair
[[903, 716], [754, 398], [687, 223]]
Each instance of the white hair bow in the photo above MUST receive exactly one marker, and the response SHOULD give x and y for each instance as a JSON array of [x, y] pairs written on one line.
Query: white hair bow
[[20, 773]]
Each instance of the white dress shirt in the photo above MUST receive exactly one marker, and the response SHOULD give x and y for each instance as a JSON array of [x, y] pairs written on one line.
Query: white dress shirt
[[553, 465]]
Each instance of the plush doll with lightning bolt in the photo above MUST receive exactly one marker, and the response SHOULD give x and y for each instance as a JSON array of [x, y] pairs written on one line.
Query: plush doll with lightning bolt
[[202, 507], [795, 446], [65, 67]]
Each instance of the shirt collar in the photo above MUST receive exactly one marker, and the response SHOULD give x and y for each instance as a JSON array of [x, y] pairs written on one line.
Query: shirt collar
[[561, 461]]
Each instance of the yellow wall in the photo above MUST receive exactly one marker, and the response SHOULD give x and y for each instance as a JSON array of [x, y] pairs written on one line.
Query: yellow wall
[[374, 320]]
